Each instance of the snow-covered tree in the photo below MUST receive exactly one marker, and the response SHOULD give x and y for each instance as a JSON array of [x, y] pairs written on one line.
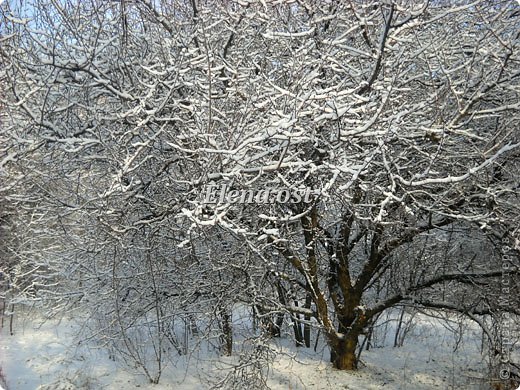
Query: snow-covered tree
[[400, 117]]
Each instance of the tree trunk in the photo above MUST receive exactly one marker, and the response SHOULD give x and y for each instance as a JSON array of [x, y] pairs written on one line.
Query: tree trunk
[[227, 332], [298, 334], [398, 330], [278, 324], [3, 312], [343, 353], [306, 326], [11, 320]]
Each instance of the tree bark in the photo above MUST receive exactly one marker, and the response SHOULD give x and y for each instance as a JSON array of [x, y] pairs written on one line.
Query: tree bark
[[306, 326], [298, 333], [11, 318], [343, 353], [227, 332]]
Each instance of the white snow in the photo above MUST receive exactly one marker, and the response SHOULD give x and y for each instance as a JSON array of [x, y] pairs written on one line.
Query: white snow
[[49, 356]]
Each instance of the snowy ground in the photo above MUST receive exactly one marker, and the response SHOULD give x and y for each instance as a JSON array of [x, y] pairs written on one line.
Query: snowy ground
[[47, 356]]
